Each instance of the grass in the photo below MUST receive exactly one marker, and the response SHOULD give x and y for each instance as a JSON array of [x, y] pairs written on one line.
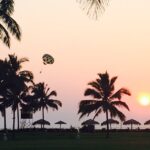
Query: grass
[[53, 141]]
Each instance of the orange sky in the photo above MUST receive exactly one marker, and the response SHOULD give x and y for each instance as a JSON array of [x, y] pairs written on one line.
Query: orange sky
[[117, 42]]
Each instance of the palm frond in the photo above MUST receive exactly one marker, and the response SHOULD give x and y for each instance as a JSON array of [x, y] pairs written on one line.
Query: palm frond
[[46, 107], [92, 92], [22, 60], [52, 93], [7, 6], [95, 85], [4, 36], [120, 104], [88, 106], [112, 81], [57, 102], [83, 114], [26, 75], [104, 78], [87, 102], [93, 7], [104, 84], [52, 105], [7, 103], [2, 99], [120, 92], [2, 109], [11, 25], [97, 113], [114, 112], [38, 90], [14, 104], [13, 63], [111, 85]]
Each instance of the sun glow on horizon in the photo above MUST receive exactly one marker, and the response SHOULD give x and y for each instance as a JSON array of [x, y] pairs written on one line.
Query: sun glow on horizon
[[144, 99]]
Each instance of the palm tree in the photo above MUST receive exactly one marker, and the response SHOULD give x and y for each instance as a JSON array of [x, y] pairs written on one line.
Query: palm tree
[[3, 88], [104, 99], [93, 7], [3, 107], [17, 84], [41, 98], [6, 10], [3, 111]]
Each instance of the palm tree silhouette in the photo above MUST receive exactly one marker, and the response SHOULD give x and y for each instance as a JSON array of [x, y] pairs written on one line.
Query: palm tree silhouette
[[17, 83], [104, 99], [41, 99], [3, 106], [4, 103], [6, 10]]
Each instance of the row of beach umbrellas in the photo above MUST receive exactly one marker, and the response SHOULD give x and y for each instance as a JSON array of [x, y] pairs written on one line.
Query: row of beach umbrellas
[[112, 121], [44, 122], [93, 122]]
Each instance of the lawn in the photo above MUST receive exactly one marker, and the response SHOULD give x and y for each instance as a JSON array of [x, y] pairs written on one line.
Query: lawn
[[67, 141]]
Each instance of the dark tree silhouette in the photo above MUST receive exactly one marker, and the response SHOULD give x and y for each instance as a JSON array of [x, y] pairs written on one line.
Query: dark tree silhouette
[[4, 67], [17, 83], [41, 99], [104, 99], [8, 24]]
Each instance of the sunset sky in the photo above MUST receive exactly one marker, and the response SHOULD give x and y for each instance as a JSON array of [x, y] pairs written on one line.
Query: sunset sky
[[119, 42]]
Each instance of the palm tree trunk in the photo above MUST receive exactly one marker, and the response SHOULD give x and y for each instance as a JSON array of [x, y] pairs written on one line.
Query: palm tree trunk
[[107, 134], [5, 128], [43, 115], [13, 132], [13, 120], [18, 117]]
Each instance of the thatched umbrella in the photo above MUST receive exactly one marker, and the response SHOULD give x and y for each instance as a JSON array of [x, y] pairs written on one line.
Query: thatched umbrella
[[110, 121], [90, 122], [60, 123], [41, 122], [147, 122], [131, 122]]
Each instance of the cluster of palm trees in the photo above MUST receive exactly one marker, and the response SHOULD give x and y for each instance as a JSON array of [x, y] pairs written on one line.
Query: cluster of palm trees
[[18, 90]]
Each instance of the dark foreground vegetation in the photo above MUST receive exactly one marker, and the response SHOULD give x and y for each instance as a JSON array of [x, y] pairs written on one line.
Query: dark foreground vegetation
[[72, 141]]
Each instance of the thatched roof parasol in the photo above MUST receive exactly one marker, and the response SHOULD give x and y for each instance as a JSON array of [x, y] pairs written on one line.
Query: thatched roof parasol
[[110, 121], [60, 123], [131, 122], [90, 122], [41, 122], [147, 122]]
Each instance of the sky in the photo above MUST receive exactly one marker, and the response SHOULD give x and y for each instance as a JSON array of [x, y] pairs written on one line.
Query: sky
[[117, 42]]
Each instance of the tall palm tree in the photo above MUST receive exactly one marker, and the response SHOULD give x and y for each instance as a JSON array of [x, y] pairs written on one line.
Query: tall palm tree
[[3, 88], [11, 26], [93, 7], [104, 99], [17, 83], [42, 98]]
